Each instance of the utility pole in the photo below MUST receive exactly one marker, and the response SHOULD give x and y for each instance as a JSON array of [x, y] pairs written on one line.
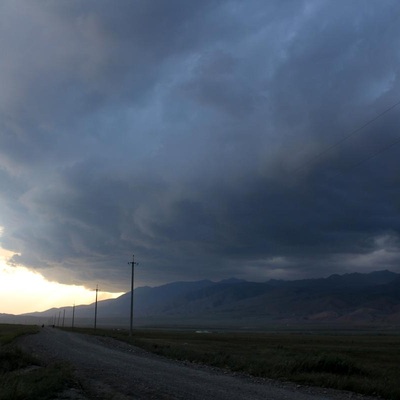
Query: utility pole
[[73, 316], [59, 316], [95, 308], [63, 318], [133, 263]]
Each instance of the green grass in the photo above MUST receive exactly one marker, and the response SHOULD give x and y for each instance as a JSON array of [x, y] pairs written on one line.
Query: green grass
[[22, 376], [9, 332], [363, 363]]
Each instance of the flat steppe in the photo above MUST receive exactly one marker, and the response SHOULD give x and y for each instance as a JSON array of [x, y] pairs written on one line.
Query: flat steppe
[[110, 369]]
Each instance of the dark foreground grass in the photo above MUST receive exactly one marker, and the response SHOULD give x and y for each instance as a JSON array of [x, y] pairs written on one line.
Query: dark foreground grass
[[32, 381], [363, 363], [23, 377]]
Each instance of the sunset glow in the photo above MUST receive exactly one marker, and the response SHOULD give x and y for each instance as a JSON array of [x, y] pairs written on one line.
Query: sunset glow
[[23, 291]]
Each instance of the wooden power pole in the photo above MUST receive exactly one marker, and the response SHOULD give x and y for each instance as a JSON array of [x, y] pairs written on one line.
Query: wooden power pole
[[95, 308], [133, 263], [73, 316]]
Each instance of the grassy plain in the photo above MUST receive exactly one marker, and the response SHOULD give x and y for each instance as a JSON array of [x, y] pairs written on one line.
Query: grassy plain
[[365, 363], [10, 332], [23, 377]]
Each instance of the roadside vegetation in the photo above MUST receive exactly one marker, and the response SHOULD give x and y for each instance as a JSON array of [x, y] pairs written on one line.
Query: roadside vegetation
[[362, 363], [10, 332], [23, 377]]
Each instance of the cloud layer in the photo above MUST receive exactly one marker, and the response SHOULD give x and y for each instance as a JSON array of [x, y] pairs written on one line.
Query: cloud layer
[[189, 133]]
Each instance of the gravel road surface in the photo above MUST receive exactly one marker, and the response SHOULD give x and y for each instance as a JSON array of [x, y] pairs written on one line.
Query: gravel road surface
[[110, 369]]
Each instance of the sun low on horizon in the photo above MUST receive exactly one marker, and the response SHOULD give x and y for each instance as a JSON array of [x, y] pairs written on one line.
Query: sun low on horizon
[[23, 291]]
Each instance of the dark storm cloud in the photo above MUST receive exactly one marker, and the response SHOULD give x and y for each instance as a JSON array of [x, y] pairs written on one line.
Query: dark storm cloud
[[184, 131]]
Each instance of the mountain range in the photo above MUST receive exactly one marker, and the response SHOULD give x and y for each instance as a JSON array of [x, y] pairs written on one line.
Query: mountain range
[[349, 299]]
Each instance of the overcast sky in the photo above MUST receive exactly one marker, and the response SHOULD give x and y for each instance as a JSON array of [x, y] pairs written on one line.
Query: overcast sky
[[195, 134]]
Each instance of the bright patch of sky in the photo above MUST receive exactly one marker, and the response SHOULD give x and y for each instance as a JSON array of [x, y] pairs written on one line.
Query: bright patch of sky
[[23, 290]]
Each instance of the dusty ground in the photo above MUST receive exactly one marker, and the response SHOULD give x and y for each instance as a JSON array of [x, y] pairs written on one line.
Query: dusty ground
[[108, 369]]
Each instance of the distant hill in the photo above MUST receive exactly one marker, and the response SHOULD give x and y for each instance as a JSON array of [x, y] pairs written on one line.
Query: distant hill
[[351, 299]]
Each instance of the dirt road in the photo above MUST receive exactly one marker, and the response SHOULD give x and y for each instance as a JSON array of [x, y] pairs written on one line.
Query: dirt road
[[115, 370]]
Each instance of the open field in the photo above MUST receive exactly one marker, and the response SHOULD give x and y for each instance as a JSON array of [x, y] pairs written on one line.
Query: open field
[[10, 332], [22, 376], [363, 363]]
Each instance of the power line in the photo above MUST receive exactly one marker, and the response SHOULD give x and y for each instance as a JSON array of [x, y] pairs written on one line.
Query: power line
[[371, 156], [352, 133]]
